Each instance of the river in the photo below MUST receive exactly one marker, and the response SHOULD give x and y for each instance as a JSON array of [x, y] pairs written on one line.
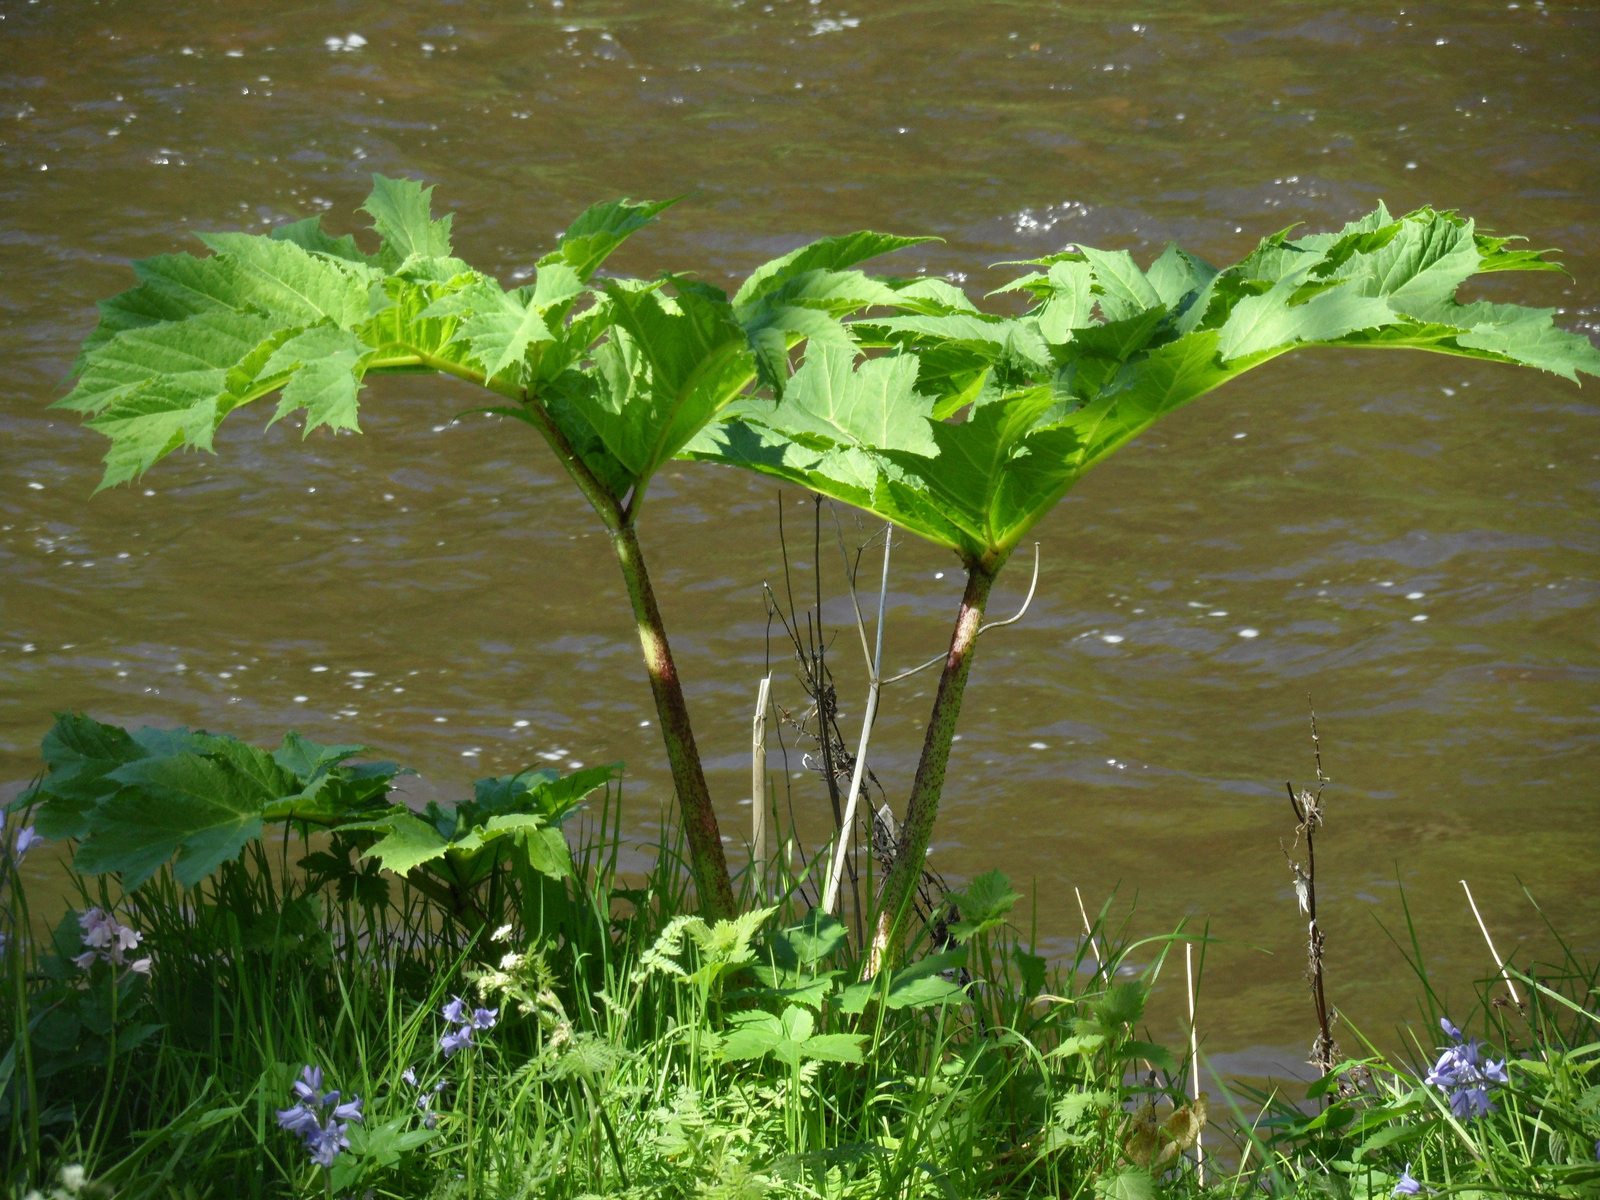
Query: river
[[1412, 538]]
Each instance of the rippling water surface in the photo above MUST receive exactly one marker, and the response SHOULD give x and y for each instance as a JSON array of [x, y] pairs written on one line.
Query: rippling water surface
[[1413, 539]]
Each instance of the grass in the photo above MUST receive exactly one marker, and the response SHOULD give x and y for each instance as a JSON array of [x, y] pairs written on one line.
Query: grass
[[637, 1051]]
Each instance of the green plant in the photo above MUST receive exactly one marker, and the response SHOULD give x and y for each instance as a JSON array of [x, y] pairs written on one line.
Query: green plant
[[1515, 1114], [133, 802], [966, 429], [615, 374], [632, 1045], [974, 425]]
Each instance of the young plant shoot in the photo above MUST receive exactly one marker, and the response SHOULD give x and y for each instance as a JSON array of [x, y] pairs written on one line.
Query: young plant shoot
[[974, 425], [616, 374]]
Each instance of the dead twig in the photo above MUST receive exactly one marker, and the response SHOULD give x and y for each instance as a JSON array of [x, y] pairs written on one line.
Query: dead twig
[[1308, 813]]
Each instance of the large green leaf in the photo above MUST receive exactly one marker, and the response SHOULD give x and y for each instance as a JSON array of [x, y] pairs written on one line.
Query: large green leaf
[[826, 254], [501, 327], [134, 801], [289, 284], [1020, 408], [326, 363], [802, 295], [202, 809], [920, 985]]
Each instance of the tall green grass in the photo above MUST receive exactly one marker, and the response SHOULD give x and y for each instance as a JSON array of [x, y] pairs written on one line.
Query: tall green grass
[[639, 1052]]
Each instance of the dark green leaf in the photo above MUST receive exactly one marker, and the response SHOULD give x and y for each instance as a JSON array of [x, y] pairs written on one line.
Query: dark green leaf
[[201, 809]]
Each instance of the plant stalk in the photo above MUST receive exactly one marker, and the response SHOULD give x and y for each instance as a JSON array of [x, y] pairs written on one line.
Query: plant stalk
[[917, 831], [707, 861]]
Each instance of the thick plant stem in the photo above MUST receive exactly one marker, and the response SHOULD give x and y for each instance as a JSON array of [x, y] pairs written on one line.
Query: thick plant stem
[[707, 861], [917, 832]]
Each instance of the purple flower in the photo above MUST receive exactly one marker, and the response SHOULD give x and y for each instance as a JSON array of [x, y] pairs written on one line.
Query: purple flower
[[325, 1143], [309, 1085], [108, 940], [25, 839], [1461, 1073], [425, 1103], [456, 1012], [409, 1077], [1407, 1185], [323, 1137], [298, 1120], [484, 1018], [456, 1039]]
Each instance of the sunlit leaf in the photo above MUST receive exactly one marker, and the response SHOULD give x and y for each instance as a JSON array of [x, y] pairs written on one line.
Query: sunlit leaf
[[1020, 408], [402, 214], [598, 231]]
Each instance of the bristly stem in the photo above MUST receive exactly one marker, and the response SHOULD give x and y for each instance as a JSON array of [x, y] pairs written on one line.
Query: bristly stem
[[917, 832], [706, 858]]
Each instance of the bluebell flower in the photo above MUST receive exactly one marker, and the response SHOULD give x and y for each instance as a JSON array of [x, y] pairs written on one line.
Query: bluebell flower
[[25, 839], [1462, 1073], [456, 1039], [309, 1086], [1407, 1185], [109, 940], [299, 1120], [457, 1015], [324, 1137], [425, 1100], [326, 1142]]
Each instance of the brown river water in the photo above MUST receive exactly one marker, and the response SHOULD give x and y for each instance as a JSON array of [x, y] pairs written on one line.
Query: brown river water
[[1413, 539]]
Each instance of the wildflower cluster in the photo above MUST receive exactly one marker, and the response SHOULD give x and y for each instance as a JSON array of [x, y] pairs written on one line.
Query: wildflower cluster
[[1463, 1074], [319, 1119], [108, 940], [463, 1023]]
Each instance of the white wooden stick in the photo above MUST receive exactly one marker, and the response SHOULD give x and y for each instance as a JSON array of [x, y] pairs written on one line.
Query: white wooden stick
[[846, 830], [1194, 1060], [758, 789], [1089, 930], [1498, 961]]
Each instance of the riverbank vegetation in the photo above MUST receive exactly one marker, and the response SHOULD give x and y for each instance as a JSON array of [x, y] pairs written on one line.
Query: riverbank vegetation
[[278, 979], [503, 1018]]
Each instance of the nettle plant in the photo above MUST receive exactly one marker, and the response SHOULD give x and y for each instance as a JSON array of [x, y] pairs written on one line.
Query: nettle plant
[[963, 426]]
